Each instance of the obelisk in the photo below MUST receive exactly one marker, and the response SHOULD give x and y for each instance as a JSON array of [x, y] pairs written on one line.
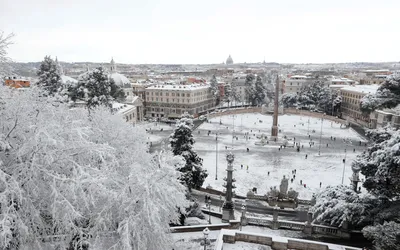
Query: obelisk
[[228, 208], [274, 130]]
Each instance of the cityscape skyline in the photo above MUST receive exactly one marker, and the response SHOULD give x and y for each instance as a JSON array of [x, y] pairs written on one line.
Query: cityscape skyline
[[178, 32]]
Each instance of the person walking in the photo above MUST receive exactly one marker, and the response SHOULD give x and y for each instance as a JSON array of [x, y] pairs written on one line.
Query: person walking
[[241, 166], [320, 184], [247, 167]]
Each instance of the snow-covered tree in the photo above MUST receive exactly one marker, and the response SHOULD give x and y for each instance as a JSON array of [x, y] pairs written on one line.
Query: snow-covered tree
[[387, 95], [380, 164], [215, 89], [384, 237], [64, 173], [96, 88], [249, 88], [49, 77], [5, 41], [380, 207], [315, 95], [289, 100], [193, 174], [336, 205], [259, 92], [228, 93], [235, 95]]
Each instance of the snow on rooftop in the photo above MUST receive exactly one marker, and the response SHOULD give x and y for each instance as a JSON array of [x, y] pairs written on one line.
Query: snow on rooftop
[[180, 87], [298, 76], [122, 108], [368, 89]]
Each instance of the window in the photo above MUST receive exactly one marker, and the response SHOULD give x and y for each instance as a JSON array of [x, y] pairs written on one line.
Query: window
[[187, 95], [161, 99], [167, 94]]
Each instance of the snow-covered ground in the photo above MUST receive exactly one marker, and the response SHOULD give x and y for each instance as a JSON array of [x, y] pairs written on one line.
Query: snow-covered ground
[[239, 245], [326, 168]]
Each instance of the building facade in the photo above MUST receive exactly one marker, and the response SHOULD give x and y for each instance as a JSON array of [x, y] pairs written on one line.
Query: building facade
[[293, 84], [171, 101], [351, 98], [17, 82]]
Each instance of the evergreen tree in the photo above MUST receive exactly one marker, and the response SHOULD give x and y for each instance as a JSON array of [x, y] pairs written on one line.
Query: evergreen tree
[[95, 88], [387, 95], [315, 96], [235, 95], [250, 90], [215, 89], [193, 175], [259, 92], [289, 100], [380, 207], [49, 76], [228, 93]]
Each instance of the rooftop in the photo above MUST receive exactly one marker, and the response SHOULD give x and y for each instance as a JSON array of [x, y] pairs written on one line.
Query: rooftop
[[369, 89], [121, 108], [180, 87]]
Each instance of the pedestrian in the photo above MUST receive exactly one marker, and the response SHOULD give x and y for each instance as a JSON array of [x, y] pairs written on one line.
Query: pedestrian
[[279, 149], [241, 166], [248, 150], [247, 167], [354, 150], [301, 182], [226, 147], [291, 180], [334, 138], [199, 132], [294, 138], [302, 146], [268, 173], [309, 136], [320, 184], [331, 138], [360, 143], [305, 185], [327, 145], [295, 171], [294, 176]]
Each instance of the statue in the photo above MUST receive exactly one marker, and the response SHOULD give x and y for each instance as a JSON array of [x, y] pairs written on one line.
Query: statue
[[283, 188], [292, 194], [273, 192]]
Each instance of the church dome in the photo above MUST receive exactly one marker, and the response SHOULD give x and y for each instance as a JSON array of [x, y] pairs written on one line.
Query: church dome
[[119, 79], [229, 60]]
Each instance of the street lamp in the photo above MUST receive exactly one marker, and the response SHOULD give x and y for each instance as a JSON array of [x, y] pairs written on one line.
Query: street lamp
[[206, 231], [320, 135], [209, 209], [344, 160], [216, 156]]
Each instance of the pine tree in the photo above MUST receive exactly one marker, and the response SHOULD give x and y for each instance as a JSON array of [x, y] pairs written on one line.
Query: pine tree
[[49, 76], [96, 89], [387, 95], [193, 175], [228, 93], [289, 100], [250, 90], [215, 89], [260, 91]]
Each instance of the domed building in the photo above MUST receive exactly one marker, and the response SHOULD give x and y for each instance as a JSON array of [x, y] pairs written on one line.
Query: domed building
[[118, 78], [229, 60], [66, 80]]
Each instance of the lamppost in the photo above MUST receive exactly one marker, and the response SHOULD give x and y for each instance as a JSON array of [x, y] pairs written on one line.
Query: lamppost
[[205, 242], [320, 135], [347, 141], [209, 209], [216, 156]]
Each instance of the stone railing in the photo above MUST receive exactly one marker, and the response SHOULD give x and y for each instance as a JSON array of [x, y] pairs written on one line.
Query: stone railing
[[276, 243], [306, 227], [259, 221]]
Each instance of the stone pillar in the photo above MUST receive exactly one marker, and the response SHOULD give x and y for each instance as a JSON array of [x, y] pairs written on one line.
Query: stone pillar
[[243, 219], [275, 223], [274, 130], [228, 208], [308, 226]]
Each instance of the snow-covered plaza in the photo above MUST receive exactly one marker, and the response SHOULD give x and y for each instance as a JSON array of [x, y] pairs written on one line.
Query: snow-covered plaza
[[311, 168]]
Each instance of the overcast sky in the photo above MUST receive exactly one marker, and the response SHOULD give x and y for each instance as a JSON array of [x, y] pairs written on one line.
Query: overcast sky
[[203, 31]]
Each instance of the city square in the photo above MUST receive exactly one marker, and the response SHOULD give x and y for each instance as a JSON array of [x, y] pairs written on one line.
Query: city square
[[326, 168]]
